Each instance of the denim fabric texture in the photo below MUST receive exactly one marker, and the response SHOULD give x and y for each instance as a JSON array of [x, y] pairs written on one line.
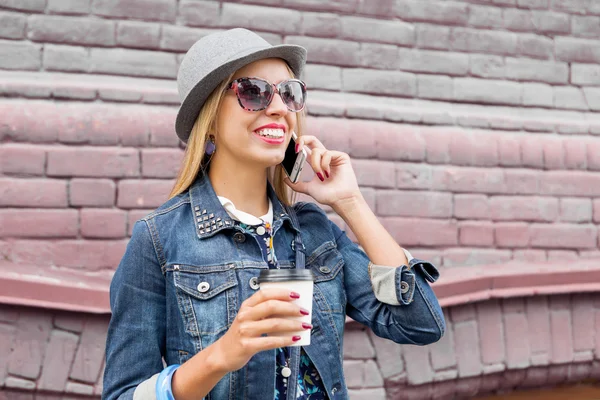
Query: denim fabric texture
[[188, 268]]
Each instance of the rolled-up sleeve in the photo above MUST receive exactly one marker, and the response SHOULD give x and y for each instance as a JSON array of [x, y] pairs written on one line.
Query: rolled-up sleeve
[[396, 285]]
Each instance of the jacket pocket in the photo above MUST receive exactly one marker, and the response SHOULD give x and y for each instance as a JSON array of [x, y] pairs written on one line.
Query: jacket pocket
[[326, 263], [204, 296]]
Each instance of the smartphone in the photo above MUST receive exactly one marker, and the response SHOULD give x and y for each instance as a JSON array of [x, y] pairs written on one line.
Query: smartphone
[[293, 162]]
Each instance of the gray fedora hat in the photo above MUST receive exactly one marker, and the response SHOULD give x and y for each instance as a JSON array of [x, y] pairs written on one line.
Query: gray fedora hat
[[216, 56]]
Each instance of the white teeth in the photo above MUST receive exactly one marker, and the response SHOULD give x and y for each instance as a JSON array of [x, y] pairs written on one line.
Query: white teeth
[[271, 133]]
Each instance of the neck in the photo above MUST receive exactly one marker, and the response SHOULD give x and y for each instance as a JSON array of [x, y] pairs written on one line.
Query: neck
[[245, 187]]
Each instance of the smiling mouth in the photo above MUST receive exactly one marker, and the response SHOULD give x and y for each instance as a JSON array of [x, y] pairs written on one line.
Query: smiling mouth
[[271, 133]]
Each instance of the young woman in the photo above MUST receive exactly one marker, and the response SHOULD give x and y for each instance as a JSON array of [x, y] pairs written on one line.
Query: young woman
[[188, 320]]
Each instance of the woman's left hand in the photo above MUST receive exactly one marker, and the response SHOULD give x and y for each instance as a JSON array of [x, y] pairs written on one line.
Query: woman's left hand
[[334, 179]]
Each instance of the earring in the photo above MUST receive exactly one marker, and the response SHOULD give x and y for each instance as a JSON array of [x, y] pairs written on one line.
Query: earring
[[210, 145]]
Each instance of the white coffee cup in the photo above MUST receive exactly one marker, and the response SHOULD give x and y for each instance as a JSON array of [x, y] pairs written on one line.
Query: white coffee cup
[[294, 280]]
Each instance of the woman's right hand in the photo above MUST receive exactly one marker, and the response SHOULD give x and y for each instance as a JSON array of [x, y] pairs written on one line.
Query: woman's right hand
[[265, 312]]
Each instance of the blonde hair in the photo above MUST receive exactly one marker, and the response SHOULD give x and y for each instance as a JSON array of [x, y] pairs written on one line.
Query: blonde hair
[[195, 160]]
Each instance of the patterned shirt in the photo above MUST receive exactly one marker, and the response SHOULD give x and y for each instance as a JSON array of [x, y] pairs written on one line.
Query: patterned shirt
[[308, 383]]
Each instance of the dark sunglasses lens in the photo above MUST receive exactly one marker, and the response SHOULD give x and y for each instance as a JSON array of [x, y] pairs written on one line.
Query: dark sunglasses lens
[[293, 94], [254, 94]]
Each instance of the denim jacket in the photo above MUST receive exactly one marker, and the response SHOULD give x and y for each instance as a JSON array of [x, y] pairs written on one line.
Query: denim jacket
[[187, 269]]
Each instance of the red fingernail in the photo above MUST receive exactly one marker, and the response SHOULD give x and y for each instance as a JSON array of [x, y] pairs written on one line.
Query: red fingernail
[[326, 174], [296, 338], [294, 295], [303, 311], [306, 326], [297, 145], [320, 176]]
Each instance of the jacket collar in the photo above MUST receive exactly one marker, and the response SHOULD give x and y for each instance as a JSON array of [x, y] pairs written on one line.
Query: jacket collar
[[209, 215]]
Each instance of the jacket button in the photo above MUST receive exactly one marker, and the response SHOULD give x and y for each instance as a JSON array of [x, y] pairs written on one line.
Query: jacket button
[[203, 287], [404, 287], [254, 283], [239, 237], [324, 270]]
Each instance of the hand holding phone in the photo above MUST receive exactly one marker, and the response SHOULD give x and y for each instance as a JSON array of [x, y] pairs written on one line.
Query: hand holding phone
[[293, 162]]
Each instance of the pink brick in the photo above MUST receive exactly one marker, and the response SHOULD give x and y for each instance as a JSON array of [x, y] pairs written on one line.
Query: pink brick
[[563, 236], [29, 344], [530, 255], [476, 234], [511, 379], [462, 313], [467, 148], [400, 143], [438, 144], [90, 353], [583, 324], [360, 135], [93, 162], [513, 305], [554, 153], [38, 223], [378, 174], [88, 255], [560, 302], [143, 193], [466, 341], [570, 183], [465, 257], [538, 320], [418, 176], [419, 369], [575, 154], [575, 210], [509, 150], [357, 345], [57, 363], [536, 377], [490, 332], [442, 351], [422, 232], [22, 159], [92, 192], [593, 155], [531, 152], [562, 337], [160, 10], [161, 163], [596, 206], [522, 181], [471, 206], [99, 223], [511, 234], [505, 208], [557, 373], [474, 180], [562, 255], [42, 193], [596, 317], [68, 321], [389, 356], [414, 204], [517, 349], [133, 122], [18, 122], [354, 373], [7, 337]]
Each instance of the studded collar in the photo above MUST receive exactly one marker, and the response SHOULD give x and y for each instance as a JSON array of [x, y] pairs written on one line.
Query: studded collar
[[210, 216]]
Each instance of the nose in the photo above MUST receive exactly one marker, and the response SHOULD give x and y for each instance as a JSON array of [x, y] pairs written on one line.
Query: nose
[[277, 106]]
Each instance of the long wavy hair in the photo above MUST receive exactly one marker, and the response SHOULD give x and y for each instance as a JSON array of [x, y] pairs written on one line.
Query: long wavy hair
[[196, 161]]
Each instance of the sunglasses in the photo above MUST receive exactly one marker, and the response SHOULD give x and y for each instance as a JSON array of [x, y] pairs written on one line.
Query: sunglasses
[[255, 94]]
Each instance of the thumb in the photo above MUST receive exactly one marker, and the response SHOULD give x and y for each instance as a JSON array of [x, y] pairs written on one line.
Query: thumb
[[299, 186]]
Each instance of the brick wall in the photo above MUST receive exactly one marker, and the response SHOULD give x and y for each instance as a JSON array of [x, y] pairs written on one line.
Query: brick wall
[[477, 119]]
